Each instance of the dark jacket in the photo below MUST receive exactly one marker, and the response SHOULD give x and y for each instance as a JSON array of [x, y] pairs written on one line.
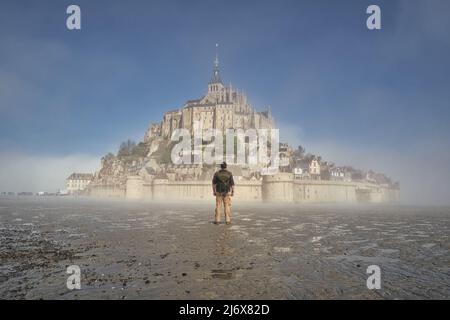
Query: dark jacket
[[223, 180]]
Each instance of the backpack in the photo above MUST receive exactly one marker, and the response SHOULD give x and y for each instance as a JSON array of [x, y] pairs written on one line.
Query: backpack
[[223, 181]]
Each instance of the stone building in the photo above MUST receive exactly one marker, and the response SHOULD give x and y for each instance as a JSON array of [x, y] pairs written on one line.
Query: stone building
[[222, 107], [77, 182], [314, 168]]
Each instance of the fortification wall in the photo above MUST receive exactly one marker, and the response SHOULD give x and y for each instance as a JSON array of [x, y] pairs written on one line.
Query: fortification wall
[[106, 191], [248, 191], [311, 191], [161, 189], [372, 193], [134, 189], [281, 187], [278, 188]]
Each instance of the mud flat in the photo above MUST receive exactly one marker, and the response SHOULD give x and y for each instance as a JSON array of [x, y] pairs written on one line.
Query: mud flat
[[143, 250]]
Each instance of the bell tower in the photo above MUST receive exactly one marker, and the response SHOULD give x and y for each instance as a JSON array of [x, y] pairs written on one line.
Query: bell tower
[[215, 86]]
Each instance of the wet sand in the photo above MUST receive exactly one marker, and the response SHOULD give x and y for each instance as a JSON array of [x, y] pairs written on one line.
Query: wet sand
[[145, 250]]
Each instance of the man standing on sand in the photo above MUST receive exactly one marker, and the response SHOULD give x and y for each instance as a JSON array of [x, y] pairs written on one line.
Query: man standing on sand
[[223, 190]]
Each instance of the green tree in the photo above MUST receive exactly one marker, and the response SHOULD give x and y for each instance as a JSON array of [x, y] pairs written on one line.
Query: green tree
[[141, 150], [109, 157], [300, 152], [126, 148]]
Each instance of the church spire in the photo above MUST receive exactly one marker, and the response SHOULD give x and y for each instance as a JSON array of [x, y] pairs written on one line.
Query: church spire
[[216, 75], [216, 62]]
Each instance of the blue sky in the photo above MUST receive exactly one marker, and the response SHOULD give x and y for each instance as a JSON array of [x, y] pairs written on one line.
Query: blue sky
[[375, 99]]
